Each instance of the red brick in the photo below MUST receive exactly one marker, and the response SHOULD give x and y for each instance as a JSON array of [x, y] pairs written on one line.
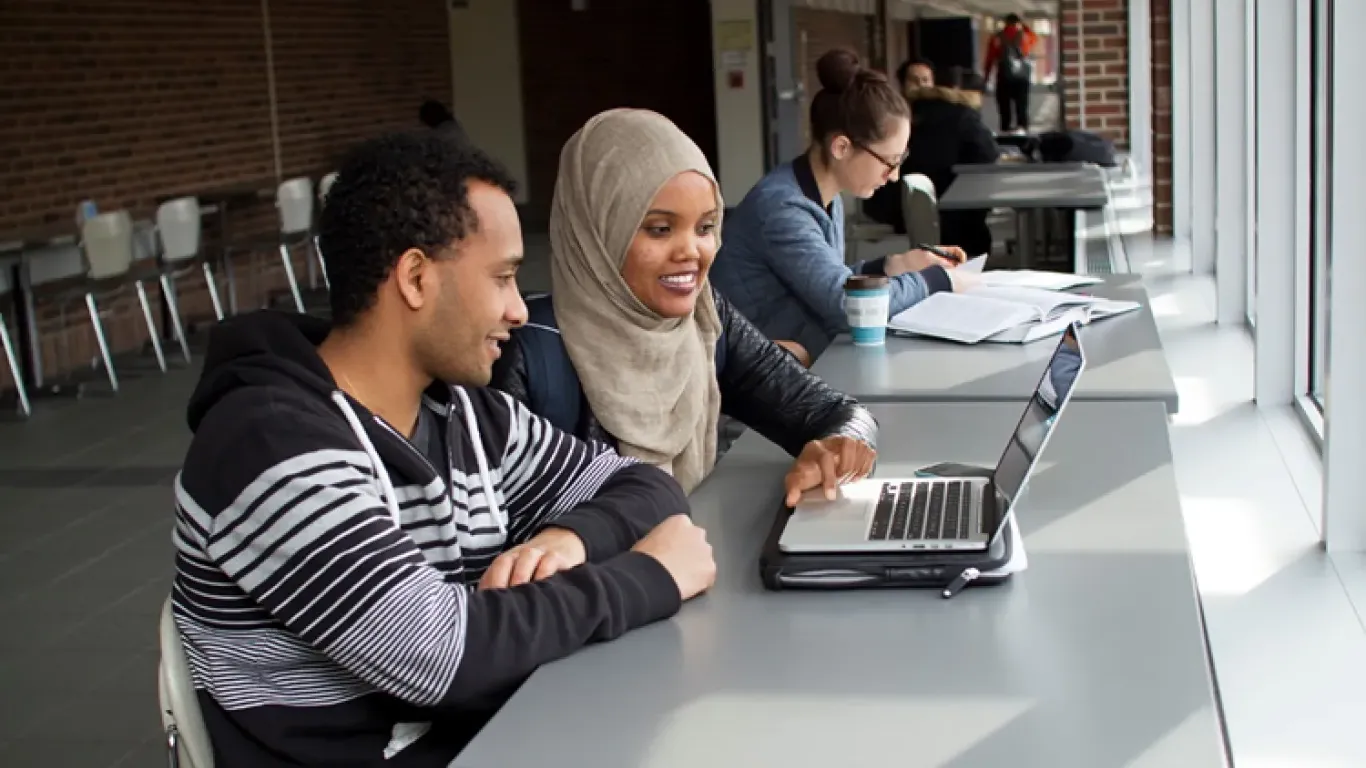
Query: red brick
[[124, 101]]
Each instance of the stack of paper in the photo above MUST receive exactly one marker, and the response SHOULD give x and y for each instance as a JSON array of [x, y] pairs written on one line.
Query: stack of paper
[[1027, 278], [1003, 313]]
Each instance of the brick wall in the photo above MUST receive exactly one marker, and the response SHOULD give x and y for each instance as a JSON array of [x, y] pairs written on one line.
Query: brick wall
[[1095, 77], [125, 101], [1095, 67], [346, 70], [1162, 115], [615, 53], [819, 31]]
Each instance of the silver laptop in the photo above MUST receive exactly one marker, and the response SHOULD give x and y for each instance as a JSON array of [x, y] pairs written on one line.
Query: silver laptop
[[889, 514]]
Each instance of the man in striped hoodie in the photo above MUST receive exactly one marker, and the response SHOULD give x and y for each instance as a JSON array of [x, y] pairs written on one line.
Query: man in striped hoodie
[[368, 559]]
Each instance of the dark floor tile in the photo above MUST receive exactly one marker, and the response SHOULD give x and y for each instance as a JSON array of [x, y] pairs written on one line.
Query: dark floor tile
[[122, 623], [103, 541], [88, 475], [63, 753], [149, 755], [40, 684], [100, 718]]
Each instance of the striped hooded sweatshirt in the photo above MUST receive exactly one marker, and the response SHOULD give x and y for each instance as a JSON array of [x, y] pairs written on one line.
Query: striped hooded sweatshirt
[[325, 568]]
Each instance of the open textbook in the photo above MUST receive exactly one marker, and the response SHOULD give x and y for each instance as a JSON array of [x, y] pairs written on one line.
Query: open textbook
[[1027, 278], [1003, 314]]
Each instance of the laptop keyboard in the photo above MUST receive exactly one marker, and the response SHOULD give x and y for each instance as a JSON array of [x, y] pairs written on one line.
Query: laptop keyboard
[[925, 510]]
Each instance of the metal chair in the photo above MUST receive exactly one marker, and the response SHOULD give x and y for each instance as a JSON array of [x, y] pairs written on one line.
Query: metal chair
[[324, 186], [179, 228], [294, 199], [920, 208], [107, 240], [187, 740], [16, 373], [860, 230]]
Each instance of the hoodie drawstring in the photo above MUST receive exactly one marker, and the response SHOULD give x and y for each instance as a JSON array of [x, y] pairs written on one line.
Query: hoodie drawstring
[[386, 485], [482, 461]]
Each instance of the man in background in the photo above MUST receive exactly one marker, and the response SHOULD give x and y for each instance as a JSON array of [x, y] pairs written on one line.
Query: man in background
[[1008, 57], [915, 73]]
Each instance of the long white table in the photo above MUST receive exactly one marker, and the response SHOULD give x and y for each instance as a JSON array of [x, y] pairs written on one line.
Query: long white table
[[1094, 656], [1124, 354]]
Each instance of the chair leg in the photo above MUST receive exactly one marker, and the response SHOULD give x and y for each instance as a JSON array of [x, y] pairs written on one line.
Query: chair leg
[[322, 263], [25, 408], [212, 283], [289, 275], [152, 331], [173, 747], [168, 293], [100, 340]]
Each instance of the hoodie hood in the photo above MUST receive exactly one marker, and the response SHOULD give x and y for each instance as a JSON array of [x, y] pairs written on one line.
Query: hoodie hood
[[262, 349]]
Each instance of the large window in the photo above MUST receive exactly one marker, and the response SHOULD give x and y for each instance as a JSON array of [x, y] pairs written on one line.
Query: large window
[[1320, 200]]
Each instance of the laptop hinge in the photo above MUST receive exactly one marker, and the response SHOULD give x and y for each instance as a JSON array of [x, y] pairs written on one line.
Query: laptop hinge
[[994, 505]]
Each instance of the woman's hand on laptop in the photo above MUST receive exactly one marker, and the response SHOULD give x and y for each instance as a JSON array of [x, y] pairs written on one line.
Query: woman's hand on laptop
[[540, 557], [828, 463]]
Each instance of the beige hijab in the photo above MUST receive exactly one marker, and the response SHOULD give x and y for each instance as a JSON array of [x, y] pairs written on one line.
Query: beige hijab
[[651, 381]]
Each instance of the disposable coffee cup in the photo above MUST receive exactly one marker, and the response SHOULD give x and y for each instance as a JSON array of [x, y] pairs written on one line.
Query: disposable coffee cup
[[866, 304]]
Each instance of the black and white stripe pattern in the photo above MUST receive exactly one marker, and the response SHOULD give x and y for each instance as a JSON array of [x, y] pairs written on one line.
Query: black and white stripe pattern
[[298, 589]]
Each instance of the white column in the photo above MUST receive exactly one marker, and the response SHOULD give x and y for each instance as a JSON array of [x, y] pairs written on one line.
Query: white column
[[1344, 442], [739, 97], [1182, 131], [486, 83], [1304, 189], [1202, 188], [1141, 86], [1275, 183], [1230, 159]]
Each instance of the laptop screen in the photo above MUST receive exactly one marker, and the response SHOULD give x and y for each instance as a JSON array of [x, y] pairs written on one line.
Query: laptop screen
[[1040, 416]]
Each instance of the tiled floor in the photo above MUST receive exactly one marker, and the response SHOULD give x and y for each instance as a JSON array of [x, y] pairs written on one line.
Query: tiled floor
[[85, 557]]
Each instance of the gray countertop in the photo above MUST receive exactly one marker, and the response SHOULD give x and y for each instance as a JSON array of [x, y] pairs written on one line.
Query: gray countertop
[[1124, 354], [1084, 188], [1094, 656]]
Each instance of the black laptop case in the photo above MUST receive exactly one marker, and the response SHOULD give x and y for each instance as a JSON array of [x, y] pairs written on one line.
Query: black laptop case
[[862, 570]]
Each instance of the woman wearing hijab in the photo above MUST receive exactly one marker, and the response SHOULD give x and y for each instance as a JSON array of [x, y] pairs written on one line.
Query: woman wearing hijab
[[635, 348]]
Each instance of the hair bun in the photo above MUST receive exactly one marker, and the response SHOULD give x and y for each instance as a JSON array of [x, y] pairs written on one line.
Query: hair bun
[[837, 69]]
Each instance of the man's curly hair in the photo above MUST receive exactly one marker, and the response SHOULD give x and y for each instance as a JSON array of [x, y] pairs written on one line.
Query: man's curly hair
[[393, 193]]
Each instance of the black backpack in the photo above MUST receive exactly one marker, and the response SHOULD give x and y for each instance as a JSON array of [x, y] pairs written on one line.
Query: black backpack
[[1014, 66], [1077, 147]]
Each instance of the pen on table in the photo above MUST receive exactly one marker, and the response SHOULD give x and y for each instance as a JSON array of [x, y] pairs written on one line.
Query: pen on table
[[957, 584]]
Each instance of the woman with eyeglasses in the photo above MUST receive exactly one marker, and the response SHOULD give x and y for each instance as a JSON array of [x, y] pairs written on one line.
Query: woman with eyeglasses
[[782, 264]]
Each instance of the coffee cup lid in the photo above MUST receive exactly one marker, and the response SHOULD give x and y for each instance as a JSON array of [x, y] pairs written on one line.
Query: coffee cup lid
[[865, 282]]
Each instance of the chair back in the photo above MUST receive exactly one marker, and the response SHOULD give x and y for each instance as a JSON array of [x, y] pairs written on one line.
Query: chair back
[[179, 702], [294, 198], [325, 185], [108, 240], [920, 208], [180, 227]]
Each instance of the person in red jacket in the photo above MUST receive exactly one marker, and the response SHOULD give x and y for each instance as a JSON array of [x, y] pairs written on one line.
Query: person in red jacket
[[1008, 57]]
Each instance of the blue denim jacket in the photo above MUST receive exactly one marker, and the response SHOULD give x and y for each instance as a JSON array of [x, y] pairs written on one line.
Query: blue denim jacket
[[782, 261]]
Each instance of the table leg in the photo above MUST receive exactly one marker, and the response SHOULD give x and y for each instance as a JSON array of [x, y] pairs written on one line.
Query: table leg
[[1070, 241], [26, 318], [1024, 239], [227, 257]]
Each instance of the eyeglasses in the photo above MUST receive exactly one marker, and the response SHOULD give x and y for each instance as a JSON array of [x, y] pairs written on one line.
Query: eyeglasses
[[893, 166]]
